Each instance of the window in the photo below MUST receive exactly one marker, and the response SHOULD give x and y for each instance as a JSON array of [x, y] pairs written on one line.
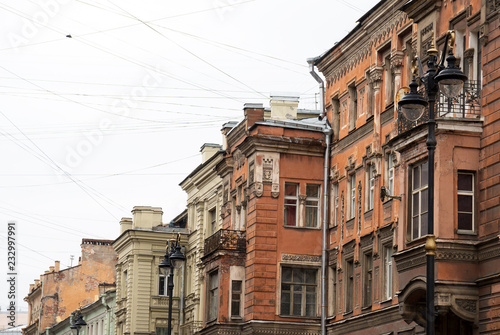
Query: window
[[419, 204], [465, 201], [349, 283], [162, 285], [352, 197], [312, 205], [390, 175], [213, 295], [291, 204], [389, 80], [161, 331], [236, 298], [336, 117], [213, 221], [298, 291], [371, 185], [368, 279], [353, 106], [335, 196], [332, 305], [387, 263]]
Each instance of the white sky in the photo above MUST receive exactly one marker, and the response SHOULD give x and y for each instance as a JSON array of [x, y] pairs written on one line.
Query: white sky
[[124, 106]]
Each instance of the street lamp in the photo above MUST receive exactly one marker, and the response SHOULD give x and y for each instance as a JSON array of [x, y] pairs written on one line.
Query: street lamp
[[450, 81], [174, 258], [78, 322]]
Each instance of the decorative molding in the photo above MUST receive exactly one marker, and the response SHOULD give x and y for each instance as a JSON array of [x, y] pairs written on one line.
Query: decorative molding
[[259, 189], [301, 258], [467, 304], [275, 190]]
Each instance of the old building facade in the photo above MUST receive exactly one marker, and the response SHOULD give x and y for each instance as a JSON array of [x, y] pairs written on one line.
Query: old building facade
[[377, 259], [58, 293], [141, 291]]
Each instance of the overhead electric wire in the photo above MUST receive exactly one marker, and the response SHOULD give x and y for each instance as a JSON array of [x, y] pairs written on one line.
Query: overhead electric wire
[[56, 166]]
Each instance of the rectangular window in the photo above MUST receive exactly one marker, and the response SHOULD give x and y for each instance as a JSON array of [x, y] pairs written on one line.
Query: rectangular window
[[368, 279], [312, 205], [162, 285], [353, 106], [349, 285], [213, 221], [213, 295], [390, 175], [291, 204], [352, 197], [387, 288], [236, 291], [465, 201], [335, 195], [333, 291], [389, 81], [419, 202], [298, 292], [161, 331], [371, 186]]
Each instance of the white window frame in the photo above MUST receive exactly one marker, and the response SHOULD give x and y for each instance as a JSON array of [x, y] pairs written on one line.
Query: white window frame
[[390, 175], [335, 194], [291, 198], [418, 192], [388, 271], [371, 186], [312, 202], [352, 196], [292, 284], [469, 194]]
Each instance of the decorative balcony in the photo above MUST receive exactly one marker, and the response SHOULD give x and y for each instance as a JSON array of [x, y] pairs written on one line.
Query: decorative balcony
[[467, 105], [226, 239]]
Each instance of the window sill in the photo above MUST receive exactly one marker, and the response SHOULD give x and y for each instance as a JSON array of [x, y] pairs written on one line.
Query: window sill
[[366, 308], [296, 227], [386, 301], [299, 317], [466, 232], [347, 314]]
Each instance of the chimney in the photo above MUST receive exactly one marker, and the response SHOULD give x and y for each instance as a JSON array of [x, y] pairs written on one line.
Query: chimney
[[226, 128], [208, 150], [284, 106], [57, 266], [253, 113], [32, 287], [146, 217], [51, 268], [125, 224]]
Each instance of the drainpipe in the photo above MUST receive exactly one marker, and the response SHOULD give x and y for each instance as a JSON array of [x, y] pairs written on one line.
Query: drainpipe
[[328, 132]]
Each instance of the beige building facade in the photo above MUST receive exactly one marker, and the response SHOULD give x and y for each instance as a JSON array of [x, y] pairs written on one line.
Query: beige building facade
[[141, 297]]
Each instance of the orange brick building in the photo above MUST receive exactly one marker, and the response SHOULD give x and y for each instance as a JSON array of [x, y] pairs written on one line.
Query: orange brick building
[[59, 293], [377, 259], [272, 175]]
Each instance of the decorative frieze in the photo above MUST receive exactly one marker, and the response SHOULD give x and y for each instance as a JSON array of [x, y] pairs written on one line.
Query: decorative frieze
[[301, 258]]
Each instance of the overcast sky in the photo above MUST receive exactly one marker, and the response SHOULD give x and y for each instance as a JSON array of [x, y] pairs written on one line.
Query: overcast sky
[[104, 105]]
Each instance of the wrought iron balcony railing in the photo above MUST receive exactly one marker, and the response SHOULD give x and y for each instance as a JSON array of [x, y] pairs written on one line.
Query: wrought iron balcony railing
[[466, 105], [225, 239]]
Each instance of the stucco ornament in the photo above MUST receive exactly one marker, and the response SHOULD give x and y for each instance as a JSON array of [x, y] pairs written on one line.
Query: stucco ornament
[[259, 189], [275, 190]]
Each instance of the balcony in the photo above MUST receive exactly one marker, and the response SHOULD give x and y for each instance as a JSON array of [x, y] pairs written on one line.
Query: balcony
[[467, 105], [226, 239]]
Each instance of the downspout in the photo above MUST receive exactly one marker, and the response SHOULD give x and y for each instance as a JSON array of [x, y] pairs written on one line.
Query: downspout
[[328, 132]]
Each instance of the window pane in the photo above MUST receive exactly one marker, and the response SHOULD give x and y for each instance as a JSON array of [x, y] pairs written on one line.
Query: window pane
[[298, 276], [416, 177], [285, 303], [290, 189], [424, 205], [415, 205], [415, 232], [423, 223], [236, 286], [465, 203], [464, 221], [311, 216], [290, 215], [425, 174], [312, 191], [287, 275], [311, 277], [465, 182], [297, 304]]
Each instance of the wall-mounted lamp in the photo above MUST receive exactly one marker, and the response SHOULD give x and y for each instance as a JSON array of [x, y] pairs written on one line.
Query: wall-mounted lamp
[[384, 193]]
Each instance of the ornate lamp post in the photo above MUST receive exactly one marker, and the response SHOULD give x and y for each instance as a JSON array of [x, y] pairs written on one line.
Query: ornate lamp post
[[78, 322], [450, 81], [174, 258]]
